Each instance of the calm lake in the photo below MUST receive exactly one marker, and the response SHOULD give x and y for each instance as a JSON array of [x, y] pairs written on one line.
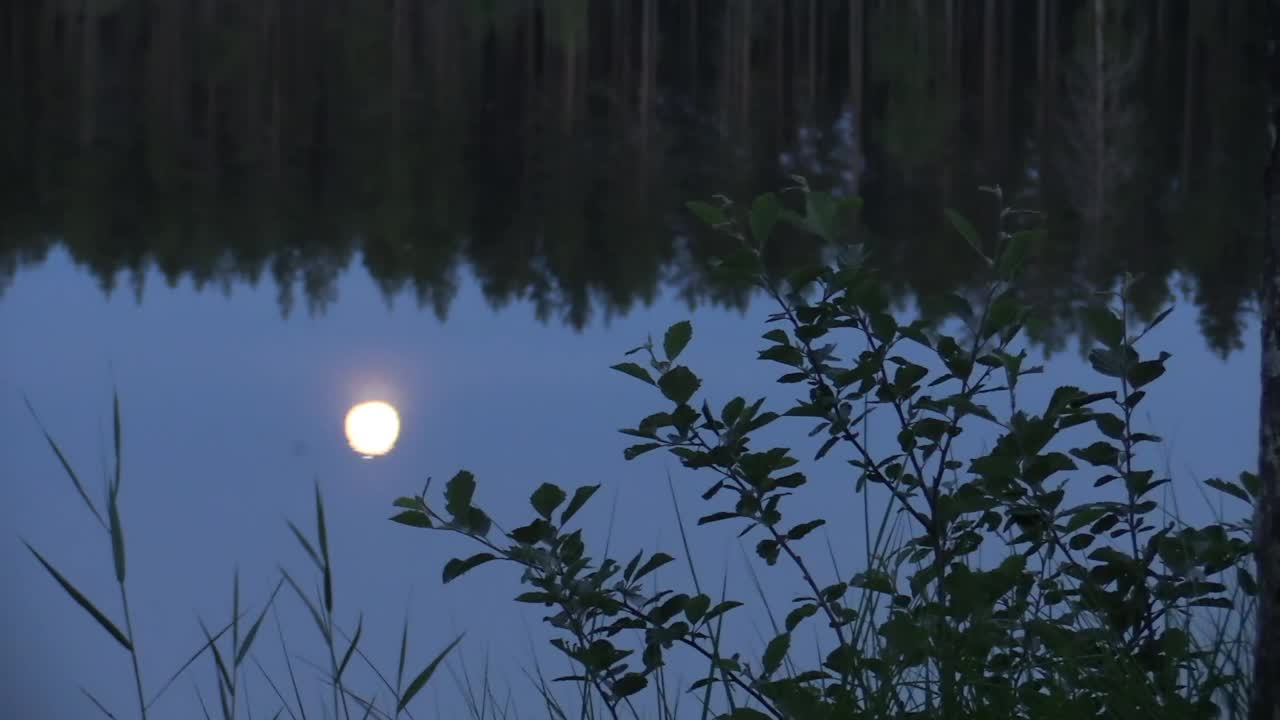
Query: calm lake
[[250, 215]]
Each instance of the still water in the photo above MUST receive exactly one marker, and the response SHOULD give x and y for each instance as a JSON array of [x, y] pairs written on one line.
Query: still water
[[249, 217]]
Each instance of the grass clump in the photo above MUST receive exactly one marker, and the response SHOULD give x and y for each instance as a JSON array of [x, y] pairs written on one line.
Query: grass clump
[[230, 660]]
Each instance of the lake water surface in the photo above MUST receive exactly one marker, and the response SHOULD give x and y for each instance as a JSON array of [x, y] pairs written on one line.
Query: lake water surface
[[249, 216]]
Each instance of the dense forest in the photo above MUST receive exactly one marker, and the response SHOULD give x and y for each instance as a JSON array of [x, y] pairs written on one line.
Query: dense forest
[[548, 146]]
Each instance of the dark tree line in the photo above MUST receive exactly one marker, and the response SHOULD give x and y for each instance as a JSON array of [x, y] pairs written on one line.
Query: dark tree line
[[547, 147]]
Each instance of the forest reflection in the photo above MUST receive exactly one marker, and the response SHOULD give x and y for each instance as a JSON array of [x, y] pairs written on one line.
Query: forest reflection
[[547, 147]]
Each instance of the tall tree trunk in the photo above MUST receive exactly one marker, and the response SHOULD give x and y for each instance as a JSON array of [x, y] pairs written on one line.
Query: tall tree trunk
[[694, 48], [744, 102], [1042, 51], [990, 44], [856, 37], [1099, 110], [398, 53], [88, 72], [811, 42], [1190, 71], [1265, 703]]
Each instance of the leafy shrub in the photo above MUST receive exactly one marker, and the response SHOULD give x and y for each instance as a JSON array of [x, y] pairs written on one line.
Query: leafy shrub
[[1091, 610]]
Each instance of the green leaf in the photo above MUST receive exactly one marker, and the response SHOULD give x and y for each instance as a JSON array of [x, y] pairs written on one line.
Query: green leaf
[[409, 503], [1099, 453], [676, 338], [967, 231], [1144, 373], [679, 384], [634, 371], [1249, 481], [1113, 362], [1084, 515], [82, 601], [1226, 487], [424, 676], [636, 451], [535, 532], [1016, 252], [580, 497], [883, 326], [1105, 325], [697, 607], [768, 550], [873, 580], [1081, 541], [823, 213], [799, 531], [1159, 318], [798, 615], [707, 213], [543, 598], [1247, 582], [546, 499], [720, 609], [764, 216], [458, 493], [958, 305], [1110, 425], [908, 375], [732, 410], [413, 518], [774, 653], [477, 523], [654, 562], [785, 354], [629, 684], [717, 517], [1002, 314], [457, 566]]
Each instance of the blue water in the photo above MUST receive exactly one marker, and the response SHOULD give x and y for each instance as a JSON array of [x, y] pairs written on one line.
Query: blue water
[[231, 413]]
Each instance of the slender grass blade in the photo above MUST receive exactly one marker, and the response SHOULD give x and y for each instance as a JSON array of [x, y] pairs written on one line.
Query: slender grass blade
[[346, 657], [306, 545], [117, 537], [253, 629], [323, 537], [217, 657], [275, 689], [66, 466], [83, 601], [421, 680], [98, 704], [315, 612], [195, 656], [115, 428]]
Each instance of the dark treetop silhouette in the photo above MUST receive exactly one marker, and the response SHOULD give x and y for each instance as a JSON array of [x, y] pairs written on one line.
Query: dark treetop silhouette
[[549, 145]]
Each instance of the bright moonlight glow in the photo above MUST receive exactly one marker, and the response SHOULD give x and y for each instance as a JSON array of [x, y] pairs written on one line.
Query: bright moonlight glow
[[372, 428]]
